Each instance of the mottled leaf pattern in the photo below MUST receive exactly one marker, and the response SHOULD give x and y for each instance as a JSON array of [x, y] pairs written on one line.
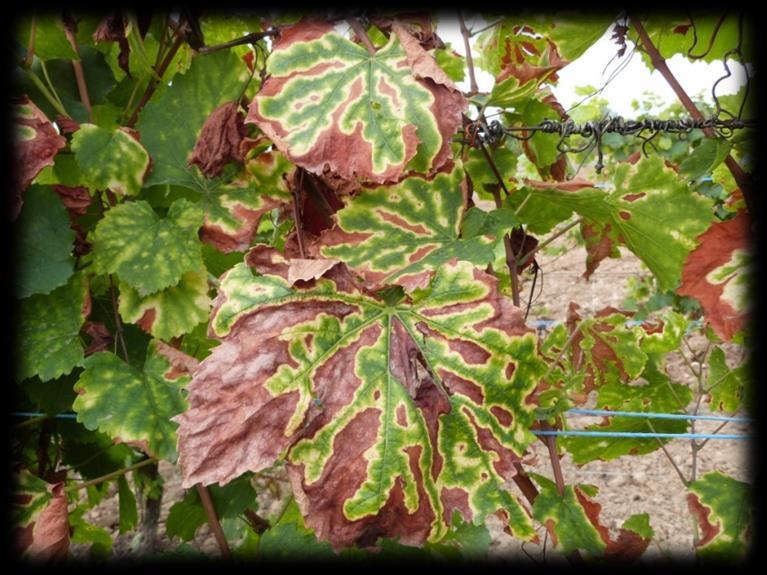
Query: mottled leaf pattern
[[145, 251], [727, 387], [328, 103], [399, 233], [110, 159], [718, 273], [323, 364], [47, 339], [44, 244], [723, 508], [40, 525], [171, 312], [135, 406]]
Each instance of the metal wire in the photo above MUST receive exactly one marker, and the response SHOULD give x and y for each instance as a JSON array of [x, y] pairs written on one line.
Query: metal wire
[[582, 433]]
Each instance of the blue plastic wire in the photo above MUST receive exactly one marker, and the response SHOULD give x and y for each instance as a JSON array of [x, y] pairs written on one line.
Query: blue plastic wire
[[39, 414], [584, 433], [607, 412]]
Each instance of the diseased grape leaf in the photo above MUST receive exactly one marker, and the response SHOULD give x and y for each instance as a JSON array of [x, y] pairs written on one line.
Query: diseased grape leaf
[[170, 312], [211, 80], [634, 538], [186, 516], [145, 251], [656, 394], [451, 62], [220, 139], [47, 337], [36, 142], [40, 524], [329, 104], [604, 348], [110, 159], [135, 406], [722, 506], [718, 272], [44, 244], [725, 386], [400, 233], [651, 211], [379, 442]]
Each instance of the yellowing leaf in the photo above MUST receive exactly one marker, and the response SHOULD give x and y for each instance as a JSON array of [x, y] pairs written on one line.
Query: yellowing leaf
[[328, 103], [391, 416]]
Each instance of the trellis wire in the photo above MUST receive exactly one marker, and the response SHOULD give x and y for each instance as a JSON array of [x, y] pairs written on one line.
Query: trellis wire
[[574, 432]]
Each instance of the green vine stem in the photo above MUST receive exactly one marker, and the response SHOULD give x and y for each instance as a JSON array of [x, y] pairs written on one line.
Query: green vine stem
[[108, 476]]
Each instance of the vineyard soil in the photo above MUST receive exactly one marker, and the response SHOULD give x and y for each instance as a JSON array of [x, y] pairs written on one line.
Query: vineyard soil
[[627, 485]]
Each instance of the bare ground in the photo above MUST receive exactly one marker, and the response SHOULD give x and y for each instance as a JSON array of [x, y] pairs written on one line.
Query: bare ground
[[627, 485]]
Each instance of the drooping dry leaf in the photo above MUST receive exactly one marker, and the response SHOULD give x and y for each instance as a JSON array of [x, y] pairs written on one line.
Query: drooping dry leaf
[[36, 142], [219, 141], [41, 525]]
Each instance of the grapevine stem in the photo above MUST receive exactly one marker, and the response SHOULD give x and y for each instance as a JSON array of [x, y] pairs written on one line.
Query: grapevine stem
[[469, 59], [297, 215], [51, 87], [548, 240], [77, 66], [668, 456], [31, 46], [112, 475], [473, 32], [215, 525], [46, 93], [561, 353], [361, 34], [31, 422], [660, 64], [248, 39]]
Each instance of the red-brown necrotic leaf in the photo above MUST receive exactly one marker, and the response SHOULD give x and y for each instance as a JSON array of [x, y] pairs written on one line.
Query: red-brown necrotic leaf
[[717, 274], [219, 141], [36, 142], [391, 416], [41, 523]]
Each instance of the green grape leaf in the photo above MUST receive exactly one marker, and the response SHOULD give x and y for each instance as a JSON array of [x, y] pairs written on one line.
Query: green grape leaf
[[135, 406], [290, 539], [726, 386], [91, 453], [36, 142], [704, 158], [170, 312], [399, 233], [211, 80], [48, 342], [495, 223], [482, 176], [127, 505], [44, 248], [148, 252], [656, 394], [723, 509], [50, 40], [186, 516], [451, 62], [718, 273], [326, 362], [40, 520], [83, 532], [328, 103], [110, 159], [572, 517], [651, 211]]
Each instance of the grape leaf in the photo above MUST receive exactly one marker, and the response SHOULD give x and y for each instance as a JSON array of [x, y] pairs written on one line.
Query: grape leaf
[[290, 539], [722, 506], [651, 211], [170, 312], [220, 139], [50, 40], [127, 503], [718, 273], [399, 233], [705, 158], [110, 159], [135, 406], [211, 80], [451, 62], [571, 517], [44, 248], [328, 103], [47, 338], [656, 394], [40, 523], [302, 371], [186, 516], [147, 252], [36, 142], [726, 386], [83, 532]]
